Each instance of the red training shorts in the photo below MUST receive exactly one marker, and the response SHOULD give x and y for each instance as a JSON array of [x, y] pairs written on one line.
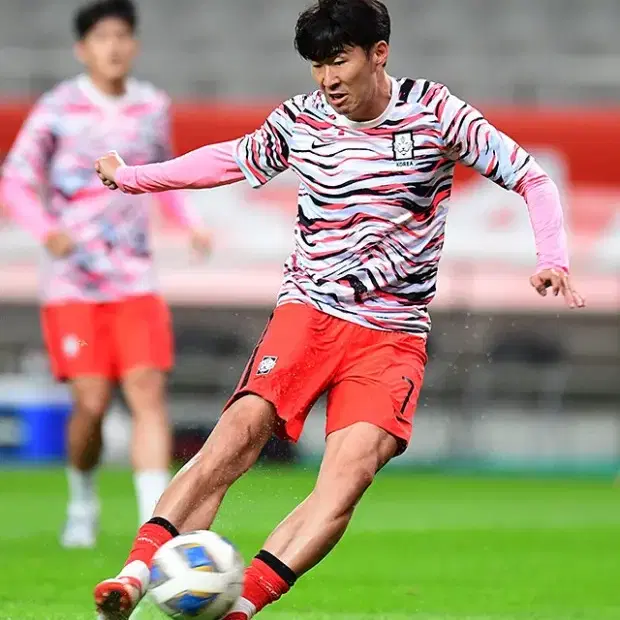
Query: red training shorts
[[108, 339], [370, 375]]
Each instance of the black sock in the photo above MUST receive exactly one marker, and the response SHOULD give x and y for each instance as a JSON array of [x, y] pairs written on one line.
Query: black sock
[[165, 524], [277, 566]]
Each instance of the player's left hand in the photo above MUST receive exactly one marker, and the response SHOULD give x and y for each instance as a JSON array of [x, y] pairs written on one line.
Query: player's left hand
[[106, 168], [201, 242], [559, 282]]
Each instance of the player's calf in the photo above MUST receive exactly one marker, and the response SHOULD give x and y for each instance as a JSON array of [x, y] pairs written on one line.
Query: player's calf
[[193, 498], [352, 458], [145, 391], [91, 397]]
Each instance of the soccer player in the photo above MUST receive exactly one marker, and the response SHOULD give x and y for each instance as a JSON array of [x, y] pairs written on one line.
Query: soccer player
[[102, 318], [375, 157]]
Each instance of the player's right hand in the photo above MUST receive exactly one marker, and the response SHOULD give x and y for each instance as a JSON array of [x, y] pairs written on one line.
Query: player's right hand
[[59, 244], [106, 168]]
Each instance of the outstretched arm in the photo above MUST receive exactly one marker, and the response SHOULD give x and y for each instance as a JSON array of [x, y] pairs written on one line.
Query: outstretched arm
[[176, 203], [545, 208], [206, 167], [258, 157], [472, 140]]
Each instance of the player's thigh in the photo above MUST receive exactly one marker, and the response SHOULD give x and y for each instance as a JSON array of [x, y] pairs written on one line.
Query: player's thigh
[[380, 385], [77, 338], [292, 364], [143, 339], [353, 455]]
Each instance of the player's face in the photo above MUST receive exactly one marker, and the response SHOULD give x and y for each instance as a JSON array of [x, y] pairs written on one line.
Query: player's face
[[109, 49], [349, 80]]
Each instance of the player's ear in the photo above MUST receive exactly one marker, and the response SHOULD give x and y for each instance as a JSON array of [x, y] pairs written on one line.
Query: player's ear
[[381, 53], [136, 48], [79, 52]]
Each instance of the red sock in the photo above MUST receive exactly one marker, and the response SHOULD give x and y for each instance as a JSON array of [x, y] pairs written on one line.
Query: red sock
[[151, 536], [262, 585]]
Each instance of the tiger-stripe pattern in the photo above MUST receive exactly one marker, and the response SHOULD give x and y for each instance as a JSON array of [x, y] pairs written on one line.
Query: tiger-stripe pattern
[[374, 197]]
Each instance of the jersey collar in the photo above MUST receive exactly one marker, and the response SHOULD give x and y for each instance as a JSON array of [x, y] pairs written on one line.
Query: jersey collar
[[343, 120], [104, 100]]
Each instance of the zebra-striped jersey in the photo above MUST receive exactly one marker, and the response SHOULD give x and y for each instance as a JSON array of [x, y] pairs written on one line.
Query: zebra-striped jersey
[[373, 197]]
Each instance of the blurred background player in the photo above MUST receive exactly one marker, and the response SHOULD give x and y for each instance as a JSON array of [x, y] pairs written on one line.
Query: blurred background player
[[375, 156], [102, 318]]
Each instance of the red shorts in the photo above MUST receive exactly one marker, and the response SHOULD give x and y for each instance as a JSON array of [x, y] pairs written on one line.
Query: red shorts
[[108, 339], [370, 375]]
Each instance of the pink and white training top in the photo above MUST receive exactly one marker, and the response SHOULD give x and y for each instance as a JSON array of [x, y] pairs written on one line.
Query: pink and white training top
[[373, 196], [49, 183]]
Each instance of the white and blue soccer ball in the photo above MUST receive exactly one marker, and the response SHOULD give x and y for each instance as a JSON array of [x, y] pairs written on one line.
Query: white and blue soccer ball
[[198, 575]]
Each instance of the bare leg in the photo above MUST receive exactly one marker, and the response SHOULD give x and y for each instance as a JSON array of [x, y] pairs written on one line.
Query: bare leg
[[352, 458], [192, 499], [145, 391], [91, 397], [196, 492]]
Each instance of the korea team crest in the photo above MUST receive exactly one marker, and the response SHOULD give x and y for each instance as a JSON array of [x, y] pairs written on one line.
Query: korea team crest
[[266, 365], [402, 145], [71, 345]]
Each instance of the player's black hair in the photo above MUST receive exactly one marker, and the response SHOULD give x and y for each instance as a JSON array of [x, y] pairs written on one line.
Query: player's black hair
[[328, 27], [89, 15]]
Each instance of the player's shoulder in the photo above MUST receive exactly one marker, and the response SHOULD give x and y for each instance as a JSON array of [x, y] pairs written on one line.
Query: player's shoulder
[[421, 91], [146, 93], [303, 103], [60, 94]]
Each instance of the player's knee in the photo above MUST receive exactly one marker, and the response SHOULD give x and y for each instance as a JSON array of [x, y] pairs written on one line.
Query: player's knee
[[91, 397], [339, 492], [145, 389], [236, 441], [217, 467], [91, 405], [251, 420], [358, 479], [363, 475]]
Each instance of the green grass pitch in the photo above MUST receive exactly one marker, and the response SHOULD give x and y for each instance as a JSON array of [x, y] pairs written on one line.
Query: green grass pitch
[[421, 547]]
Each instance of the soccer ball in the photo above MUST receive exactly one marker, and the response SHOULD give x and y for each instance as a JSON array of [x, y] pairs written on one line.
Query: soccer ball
[[197, 575]]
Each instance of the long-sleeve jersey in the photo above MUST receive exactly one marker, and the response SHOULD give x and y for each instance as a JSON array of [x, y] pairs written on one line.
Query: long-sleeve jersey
[[373, 196], [49, 184]]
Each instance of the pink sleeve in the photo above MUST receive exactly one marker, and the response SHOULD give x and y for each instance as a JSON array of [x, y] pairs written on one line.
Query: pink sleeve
[[545, 208], [24, 173], [173, 202], [209, 166], [181, 209], [25, 208]]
